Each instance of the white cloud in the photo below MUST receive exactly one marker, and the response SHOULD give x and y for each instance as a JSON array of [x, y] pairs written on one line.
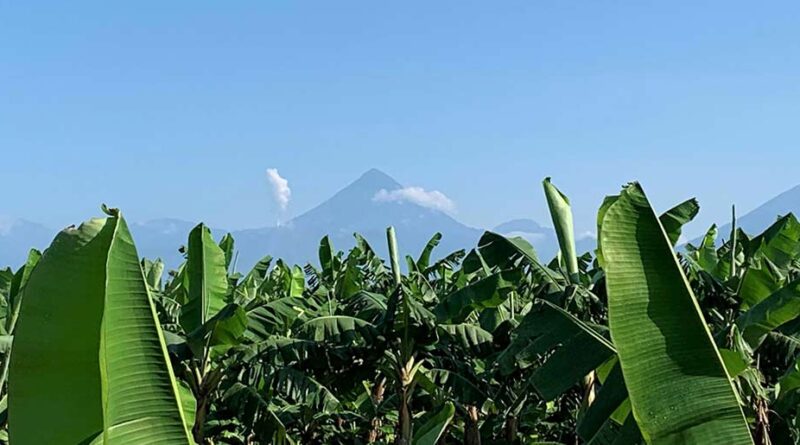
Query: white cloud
[[587, 234], [280, 188], [417, 195]]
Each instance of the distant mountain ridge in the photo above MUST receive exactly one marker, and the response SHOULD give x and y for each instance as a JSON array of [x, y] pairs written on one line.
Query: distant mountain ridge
[[758, 219], [18, 236], [350, 210], [764, 215], [355, 209]]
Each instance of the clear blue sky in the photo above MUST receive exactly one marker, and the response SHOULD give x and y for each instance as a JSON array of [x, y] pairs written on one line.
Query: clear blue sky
[[176, 109]]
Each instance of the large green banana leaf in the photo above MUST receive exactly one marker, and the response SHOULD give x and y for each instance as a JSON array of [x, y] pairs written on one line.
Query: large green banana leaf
[[772, 252], [791, 380], [15, 292], [300, 388], [367, 306], [468, 336], [278, 316], [760, 280], [254, 409], [327, 259], [780, 242], [17, 285], [611, 395], [706, 254], [338, 329], [488, 292], [445, 384], [675, 218], [89, 362], [430, 432], [501, 252], [208, 279], [679, 389], [282, 351], [349, 281], [572, 349], [424, 259], [227, 244], [779, 308]]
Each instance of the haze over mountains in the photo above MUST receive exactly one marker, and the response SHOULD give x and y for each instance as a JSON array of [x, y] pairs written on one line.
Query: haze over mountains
[[358, 207]]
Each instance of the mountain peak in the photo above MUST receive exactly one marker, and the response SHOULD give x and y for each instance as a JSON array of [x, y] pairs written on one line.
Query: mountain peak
[[373, 180], [351, 201]]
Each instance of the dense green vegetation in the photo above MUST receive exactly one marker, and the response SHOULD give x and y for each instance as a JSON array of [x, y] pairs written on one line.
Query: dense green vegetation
[[632, 343]]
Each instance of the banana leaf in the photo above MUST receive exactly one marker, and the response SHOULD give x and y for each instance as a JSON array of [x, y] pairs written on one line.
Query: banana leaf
[[679, 389], [90, 363]]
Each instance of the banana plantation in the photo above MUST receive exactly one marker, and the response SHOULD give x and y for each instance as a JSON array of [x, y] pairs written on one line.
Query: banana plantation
[[645, 340]]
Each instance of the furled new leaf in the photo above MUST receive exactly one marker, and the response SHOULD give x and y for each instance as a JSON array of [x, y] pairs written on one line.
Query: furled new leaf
[[561, 213]]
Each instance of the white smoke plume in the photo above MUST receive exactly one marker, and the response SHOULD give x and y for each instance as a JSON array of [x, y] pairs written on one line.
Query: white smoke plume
[[280, 188]]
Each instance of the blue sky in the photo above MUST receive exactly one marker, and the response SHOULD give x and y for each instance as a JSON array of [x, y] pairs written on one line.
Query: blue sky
[[176, 109]]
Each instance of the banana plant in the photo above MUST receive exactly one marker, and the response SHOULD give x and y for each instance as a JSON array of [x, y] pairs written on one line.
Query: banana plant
[[89, 355], [211, 323], [759, 339], [13, 298], [483, 346], [658, 329]]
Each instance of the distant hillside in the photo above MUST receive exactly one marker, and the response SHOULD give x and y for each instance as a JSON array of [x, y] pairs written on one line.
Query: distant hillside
[[352, 209], [522, 225], [763, 216], [18, 236], [355, 209], [766, 214]]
